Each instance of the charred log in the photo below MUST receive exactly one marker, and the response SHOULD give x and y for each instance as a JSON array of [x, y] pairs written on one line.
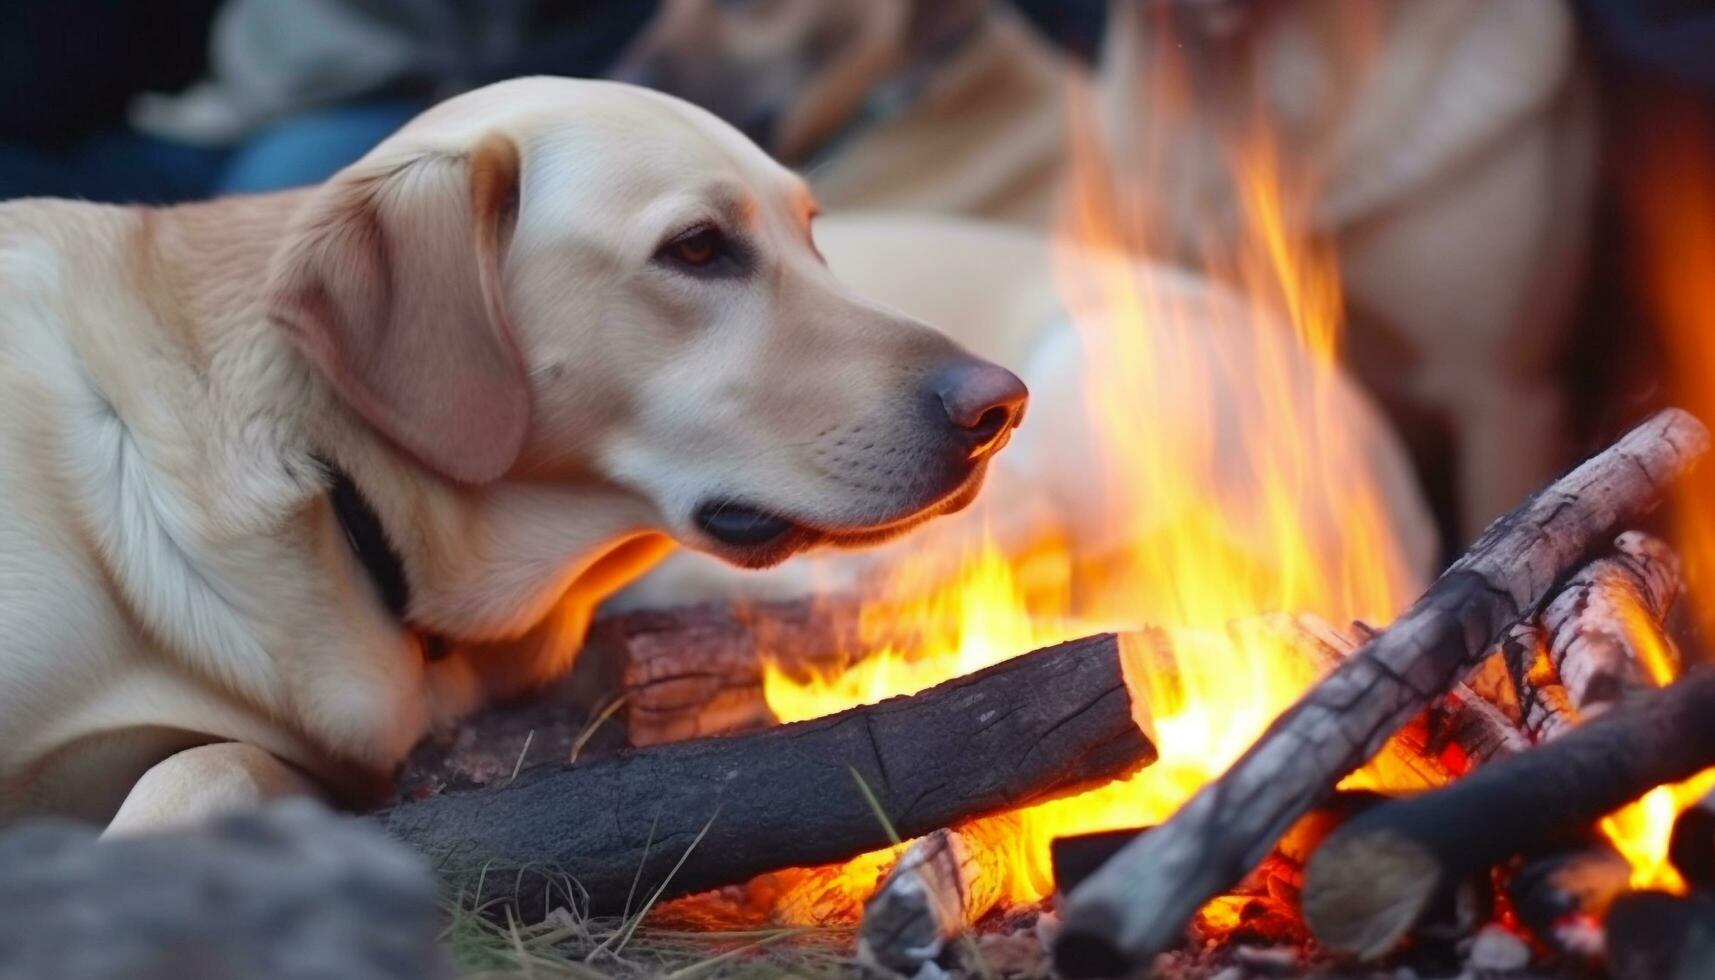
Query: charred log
[[1367, 885], [685, 817], [941, 885], [697, 670], [1692, 849], [1603, 628], [1656, 936], [1544, 704], [1478, 727], [1077, 857], [1139, 903], [1564, 895]]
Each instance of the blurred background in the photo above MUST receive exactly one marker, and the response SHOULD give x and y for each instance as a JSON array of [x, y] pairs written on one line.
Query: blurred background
[[173, 100]]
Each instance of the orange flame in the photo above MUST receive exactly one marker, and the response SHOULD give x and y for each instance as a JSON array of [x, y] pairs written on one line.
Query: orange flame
[[1670, 200], [1149, 356]]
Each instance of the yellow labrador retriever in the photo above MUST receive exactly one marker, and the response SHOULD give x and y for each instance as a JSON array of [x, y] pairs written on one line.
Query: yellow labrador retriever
[[253, 452]]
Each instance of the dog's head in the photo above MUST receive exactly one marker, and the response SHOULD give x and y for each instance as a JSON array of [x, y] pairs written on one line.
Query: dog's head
[[789, 73], [584, 283]]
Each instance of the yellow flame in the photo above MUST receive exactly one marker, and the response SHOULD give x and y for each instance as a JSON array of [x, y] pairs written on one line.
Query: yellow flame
[[1210, 567], [1149, 359], [1670, 202], [1642, 831]]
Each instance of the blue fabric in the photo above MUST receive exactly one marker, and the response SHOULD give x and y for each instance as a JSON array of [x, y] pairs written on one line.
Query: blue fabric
[[119, 166], [113, 166], [309, 148], [1676, 37]]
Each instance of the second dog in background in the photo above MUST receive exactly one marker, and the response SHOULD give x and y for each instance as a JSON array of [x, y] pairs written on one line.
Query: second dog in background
[[1453, 145]]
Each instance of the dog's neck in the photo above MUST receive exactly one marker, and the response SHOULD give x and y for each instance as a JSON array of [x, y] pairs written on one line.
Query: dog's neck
[[483, 564]]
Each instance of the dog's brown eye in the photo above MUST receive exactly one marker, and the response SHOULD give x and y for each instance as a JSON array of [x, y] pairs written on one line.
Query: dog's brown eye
[[697, 249], [705, 251]]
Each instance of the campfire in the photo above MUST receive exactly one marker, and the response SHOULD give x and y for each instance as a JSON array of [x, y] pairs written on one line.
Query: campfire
[[1281, 746]]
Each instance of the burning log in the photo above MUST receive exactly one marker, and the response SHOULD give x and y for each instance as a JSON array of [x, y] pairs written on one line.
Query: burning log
[[1564, 895], [1138, 904], [698, 670], [689, 816], [1492, 682], [1077, 857], [1692, 848], [1602, 626], [1366, 886], [1656, 936], [1545, 705], [941, 886], [1476, 725]]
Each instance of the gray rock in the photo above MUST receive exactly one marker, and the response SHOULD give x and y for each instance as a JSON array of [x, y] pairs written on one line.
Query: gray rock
[[1497, 950], [287, 893]]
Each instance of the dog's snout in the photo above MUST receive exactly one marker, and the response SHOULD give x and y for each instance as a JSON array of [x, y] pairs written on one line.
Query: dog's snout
[[982, 401]]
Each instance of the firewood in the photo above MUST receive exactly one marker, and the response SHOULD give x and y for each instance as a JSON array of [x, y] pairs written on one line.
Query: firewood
[[1692, 848], [1656, 936], [1367, 884], [941, 885], [1480, 729], [1563, 895], [1036, 727], [1595, 621], [1544, 703], [1492, 682], [1076, 857], [1414, 756], [697, 670], [1139, 903]]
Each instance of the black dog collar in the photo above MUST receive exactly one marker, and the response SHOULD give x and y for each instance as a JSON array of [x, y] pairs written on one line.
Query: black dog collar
[[368, 540]]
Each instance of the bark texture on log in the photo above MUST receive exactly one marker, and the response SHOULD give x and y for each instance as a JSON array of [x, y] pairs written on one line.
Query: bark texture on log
[[1035, 727], [1139, 903], [1366, 886], [1480, 729], [941, 885], [697, 670], [1546, 706], [1602, 625]]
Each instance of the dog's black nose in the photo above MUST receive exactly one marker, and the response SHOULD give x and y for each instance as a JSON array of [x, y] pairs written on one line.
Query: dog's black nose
[[983, 401]]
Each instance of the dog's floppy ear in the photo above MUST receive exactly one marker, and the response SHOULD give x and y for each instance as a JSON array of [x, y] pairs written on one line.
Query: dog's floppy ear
[[390, 281]]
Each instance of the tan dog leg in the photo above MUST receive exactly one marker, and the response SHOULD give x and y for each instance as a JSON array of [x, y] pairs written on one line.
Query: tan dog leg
[[205, 782]]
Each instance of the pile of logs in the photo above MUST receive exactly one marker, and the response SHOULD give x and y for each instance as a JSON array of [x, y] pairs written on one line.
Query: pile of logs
[[1579, 639], [1521, 697]]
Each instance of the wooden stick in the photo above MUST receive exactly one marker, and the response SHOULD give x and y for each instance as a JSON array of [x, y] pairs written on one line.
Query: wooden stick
[[943, 883], [1369, 882], [1139, 903], [1603, 627], [1035, 727], [1656, 936]]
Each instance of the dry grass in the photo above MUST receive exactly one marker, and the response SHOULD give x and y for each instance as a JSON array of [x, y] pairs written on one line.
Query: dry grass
[[567, 946], [564, 946]]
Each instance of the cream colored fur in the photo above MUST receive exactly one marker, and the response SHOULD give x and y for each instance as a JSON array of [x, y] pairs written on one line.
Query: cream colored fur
[[1453, 141], [993, 288], [477, 322]]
